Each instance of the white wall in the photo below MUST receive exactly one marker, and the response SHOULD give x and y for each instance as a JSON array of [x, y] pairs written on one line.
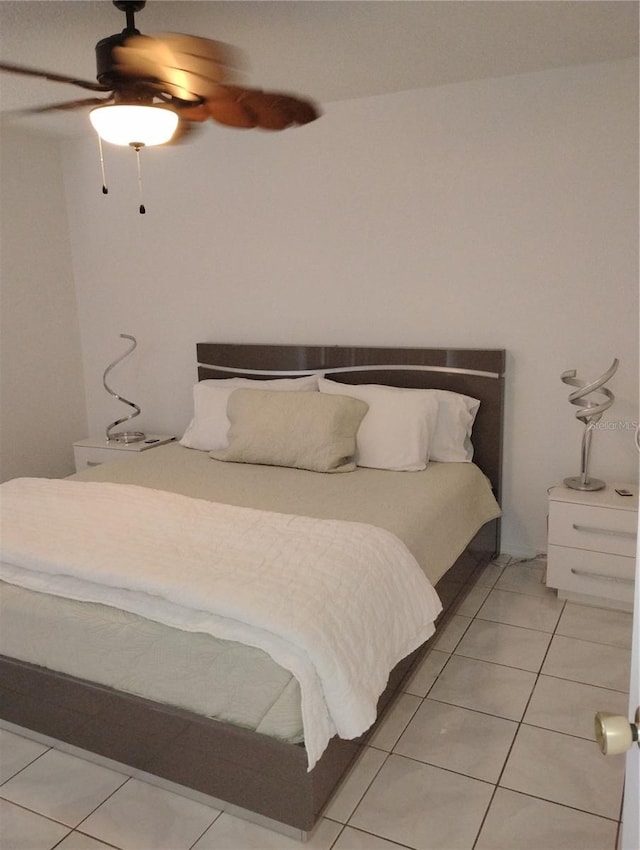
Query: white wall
[[42, 405], [500, 213]]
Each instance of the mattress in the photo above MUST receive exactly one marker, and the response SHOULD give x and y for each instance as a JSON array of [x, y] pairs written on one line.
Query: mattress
[[435, 512]]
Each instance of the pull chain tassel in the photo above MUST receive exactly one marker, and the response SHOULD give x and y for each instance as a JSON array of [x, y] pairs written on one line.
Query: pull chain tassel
[[141, 208], [105, 190]]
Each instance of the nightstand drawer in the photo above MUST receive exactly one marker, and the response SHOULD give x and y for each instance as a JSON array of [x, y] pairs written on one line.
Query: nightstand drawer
[[86, 457], [593, 528], [593, 574]]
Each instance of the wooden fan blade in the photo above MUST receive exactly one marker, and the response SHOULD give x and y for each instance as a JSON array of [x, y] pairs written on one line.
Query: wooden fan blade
[[232, 113], [187, 67], [48, 75], [271, 110], [223, 109], [205, 49], [304, 110], [198, 113], [70, 104]]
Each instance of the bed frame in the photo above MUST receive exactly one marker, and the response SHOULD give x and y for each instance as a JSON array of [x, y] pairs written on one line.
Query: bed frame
[[238, 767]]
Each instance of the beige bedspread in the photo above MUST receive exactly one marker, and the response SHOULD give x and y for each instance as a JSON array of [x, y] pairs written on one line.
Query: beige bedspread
[[435, 512]]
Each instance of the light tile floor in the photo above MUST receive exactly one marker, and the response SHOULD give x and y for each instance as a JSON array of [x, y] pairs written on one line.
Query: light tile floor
[[490, 748]]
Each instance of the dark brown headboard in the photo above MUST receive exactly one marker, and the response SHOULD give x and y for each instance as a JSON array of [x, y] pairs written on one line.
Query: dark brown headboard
[[475, 372]]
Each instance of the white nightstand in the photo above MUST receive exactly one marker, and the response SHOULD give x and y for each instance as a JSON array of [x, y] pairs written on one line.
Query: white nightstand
[[592, 545], [96, 450]]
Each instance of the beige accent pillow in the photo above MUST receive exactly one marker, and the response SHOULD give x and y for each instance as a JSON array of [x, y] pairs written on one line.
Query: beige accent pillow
[[298, 429], [208, 428]]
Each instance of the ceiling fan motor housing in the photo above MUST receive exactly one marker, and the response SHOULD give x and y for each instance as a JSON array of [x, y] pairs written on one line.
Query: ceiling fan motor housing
[[106, 74], [125, 5]]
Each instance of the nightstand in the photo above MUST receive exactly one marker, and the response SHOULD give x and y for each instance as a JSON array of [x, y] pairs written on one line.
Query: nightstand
[[592, 545], [96, 450]]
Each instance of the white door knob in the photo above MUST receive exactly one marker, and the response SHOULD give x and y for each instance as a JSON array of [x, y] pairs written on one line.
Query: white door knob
[[614, 733]]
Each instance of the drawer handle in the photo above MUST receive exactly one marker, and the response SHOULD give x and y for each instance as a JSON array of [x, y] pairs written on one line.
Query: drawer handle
[[588, 574], [593, 530], [94, 462]]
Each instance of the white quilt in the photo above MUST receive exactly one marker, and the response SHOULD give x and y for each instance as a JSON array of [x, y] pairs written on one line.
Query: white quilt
[[336, 603]]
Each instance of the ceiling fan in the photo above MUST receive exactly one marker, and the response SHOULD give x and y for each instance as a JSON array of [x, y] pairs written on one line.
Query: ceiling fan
[[173, 79]]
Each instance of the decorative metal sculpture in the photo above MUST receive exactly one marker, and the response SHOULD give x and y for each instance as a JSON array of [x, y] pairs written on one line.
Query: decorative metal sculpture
[[589, 414], [122, 436]]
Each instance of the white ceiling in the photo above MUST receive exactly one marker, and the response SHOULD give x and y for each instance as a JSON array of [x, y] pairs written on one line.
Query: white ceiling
[[325, 49]]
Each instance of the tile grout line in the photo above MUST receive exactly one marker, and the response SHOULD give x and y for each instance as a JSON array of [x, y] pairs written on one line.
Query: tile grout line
[[204, 832], [24, 767], [39, 814], [102, 802]]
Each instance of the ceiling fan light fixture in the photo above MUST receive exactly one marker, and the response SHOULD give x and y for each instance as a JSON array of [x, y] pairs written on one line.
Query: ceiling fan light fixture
[[133, 124]]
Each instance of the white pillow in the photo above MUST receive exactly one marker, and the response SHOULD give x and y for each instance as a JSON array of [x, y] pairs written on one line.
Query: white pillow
[[207, 430], [397, 430], [456, 415]]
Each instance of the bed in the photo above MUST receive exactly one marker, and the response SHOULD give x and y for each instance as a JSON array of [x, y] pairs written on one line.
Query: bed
[[160, 720]]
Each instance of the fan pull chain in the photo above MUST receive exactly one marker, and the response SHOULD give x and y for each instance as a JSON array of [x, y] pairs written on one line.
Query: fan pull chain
[[105, 190], [137, 150]]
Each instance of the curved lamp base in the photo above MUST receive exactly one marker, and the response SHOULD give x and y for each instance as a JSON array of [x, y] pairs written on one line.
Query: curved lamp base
[[576, 483], [126, 437]]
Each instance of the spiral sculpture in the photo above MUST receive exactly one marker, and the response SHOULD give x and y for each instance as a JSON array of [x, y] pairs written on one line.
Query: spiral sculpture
[[122, 436], [589, 413]]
